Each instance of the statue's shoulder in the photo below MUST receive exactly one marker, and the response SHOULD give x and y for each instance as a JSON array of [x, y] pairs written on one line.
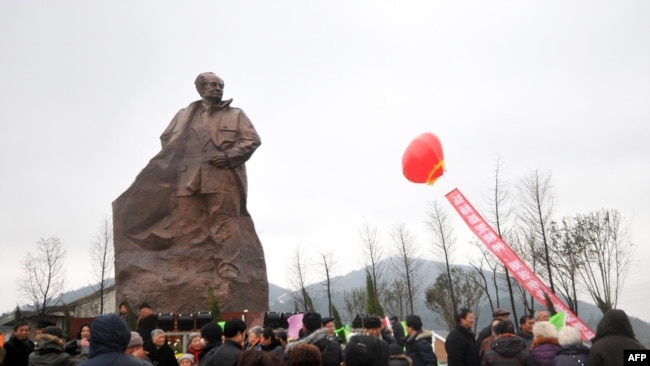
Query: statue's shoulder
[[189, 108]]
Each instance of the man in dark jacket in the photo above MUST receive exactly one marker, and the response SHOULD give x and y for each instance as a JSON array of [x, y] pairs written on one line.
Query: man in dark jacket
[[501, 314], [146, 323], [366, 350], [525, 331], [19, 346], [49, 350], [160, 352], [507, 349], [460, 345], [110, 337], [398, 330], [211, 333], [227, 354], [419, 346], [313, 333], [614, 334]]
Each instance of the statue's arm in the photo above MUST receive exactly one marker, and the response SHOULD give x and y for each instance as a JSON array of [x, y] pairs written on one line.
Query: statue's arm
[[247, 143]]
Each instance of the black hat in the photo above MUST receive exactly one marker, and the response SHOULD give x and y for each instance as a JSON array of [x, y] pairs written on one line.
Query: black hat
[[373, 322], [145, 305], [327, 320], [55, 331]]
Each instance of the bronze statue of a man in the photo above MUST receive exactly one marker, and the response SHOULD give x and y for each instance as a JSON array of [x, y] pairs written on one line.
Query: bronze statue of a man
[[183, 222]]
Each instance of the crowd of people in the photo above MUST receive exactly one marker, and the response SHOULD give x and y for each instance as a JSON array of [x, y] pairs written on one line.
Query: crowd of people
[[109, 341], [538, 342]]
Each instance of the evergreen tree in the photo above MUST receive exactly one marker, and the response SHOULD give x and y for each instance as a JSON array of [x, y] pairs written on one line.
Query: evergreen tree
[[372, 303], [309, 303], [18, 315], [67, 319], [337, 318], [214, 305]]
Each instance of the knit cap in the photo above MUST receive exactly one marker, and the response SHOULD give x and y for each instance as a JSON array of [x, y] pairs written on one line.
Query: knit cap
[[186, 356], [135, 340]]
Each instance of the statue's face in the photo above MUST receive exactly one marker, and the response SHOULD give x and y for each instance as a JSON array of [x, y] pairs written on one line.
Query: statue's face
[[212, 90]]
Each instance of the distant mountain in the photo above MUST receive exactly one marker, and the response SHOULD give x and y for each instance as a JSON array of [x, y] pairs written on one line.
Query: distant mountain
[[282, 300], [79, 293], [352, 280]]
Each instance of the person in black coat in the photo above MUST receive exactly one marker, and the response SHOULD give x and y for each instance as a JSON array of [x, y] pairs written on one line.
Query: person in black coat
[[398, 331], [419, 346], [146, 323], [614, 334], [366, 350], [500, 314], [271, 344], [313, 333], [160, 353], [110, 338], [19, 346], [397, 356], [74, 347], [211, 333], [460, 345], [228, 353]]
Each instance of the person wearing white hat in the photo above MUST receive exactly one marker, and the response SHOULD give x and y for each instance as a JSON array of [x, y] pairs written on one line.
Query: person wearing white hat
[[186, 360]]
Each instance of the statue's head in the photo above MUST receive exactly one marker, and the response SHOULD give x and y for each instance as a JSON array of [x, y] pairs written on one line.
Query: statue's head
[[209, 86]]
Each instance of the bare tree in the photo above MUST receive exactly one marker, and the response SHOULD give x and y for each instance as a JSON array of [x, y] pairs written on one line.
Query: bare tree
[[406, 264], [605, 254], [297, 276], [479, 267], [103, 256], [44, 274], [327, 261], [394, 299], [565, 262], [537, 206], [373, 254], [444, 243], [489, 261], [523, 242], [498, 215], [355, 302]]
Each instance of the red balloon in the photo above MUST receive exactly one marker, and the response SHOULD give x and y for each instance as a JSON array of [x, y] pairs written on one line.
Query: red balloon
[[423, 160]]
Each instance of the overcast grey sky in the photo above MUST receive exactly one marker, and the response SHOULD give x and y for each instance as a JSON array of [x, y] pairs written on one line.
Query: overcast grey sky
[[336, 90]]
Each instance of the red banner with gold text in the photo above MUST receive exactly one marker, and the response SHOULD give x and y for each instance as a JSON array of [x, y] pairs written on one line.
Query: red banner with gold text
[[518, 268]]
